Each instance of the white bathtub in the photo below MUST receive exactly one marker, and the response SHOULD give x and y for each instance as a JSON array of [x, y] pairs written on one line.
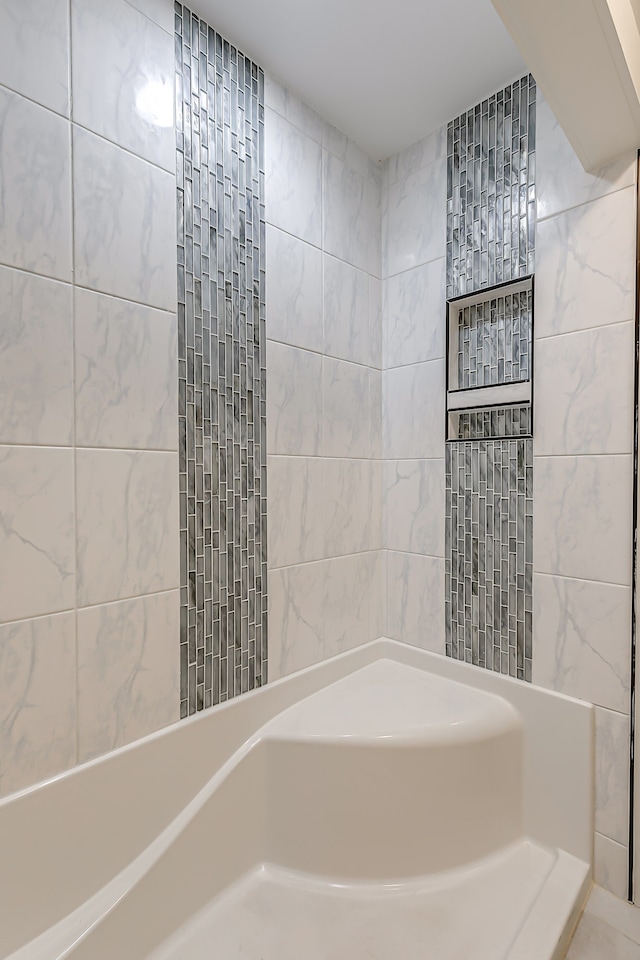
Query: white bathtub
[[386, 803]]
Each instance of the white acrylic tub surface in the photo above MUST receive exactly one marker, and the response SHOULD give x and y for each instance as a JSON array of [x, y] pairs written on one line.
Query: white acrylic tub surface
[[388, 803]]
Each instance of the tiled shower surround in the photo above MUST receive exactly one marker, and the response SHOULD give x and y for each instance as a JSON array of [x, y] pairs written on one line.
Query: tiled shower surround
[[489, 477], [221, 367]]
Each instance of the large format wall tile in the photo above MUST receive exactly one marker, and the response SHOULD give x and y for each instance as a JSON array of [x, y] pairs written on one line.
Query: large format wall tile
[[351, 215], [125, 223], [349, 489], [36, 360], [350, 587], [296, 617], [375, 322], [294, 291], [612, 774], [416, 215], [346, 312], [582, 517], [581, 638], [415, 602], [346, 419], [585, 273], [37, 572], [38, 702], [128, 671], [610, 867], [418, 155], [34, 51], [126, 374], [128, 540], [294, 401], [123, 85], [296, 531], [35, 173], [413, 411], [414, 324], [159, 11], [291, 108], [414, 499], [561, 180], [293, 179], [584, 391]]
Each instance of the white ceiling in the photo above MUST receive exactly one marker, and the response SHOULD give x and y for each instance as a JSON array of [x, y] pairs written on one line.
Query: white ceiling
[[385, 72]]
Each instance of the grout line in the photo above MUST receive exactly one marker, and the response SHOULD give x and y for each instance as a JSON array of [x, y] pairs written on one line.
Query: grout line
[[127, 150], [585, 203], [594, 329], [88, 606], [74, 446], [562, 576]]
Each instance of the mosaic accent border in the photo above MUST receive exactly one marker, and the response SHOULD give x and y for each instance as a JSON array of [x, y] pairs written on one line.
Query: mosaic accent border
[[494, 341], [497, 423], [491, 198], [221, 366], [489, 554]]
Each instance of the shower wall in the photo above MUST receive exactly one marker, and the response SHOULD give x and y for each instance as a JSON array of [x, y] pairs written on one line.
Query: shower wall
[[324, 376], [89, 536], [583, 423]]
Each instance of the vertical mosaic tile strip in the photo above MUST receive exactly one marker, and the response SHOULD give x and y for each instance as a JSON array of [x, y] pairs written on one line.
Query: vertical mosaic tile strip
[[221, 366], [491, 202], [489, 554], [494, 340], [491, 211]]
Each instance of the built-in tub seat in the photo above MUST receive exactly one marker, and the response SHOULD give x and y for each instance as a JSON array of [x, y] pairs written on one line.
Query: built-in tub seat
[[381, 816]]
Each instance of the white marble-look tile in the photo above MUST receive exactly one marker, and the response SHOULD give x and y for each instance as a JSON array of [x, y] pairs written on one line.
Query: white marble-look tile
[[127, 519], [610, 868], [38, 703], [375, 323], [415, 600], [418, 155], [36, 360], [34, 51], [582, 518], [346, 420], [294, 400], [351, 215], [35, 174], [414, 500], [294, 291], [296, 617], [584, 391], [348, 505], [296, 528], [128, 683], [282, 101], [582, 638], [123, 78], [160, 11], [348, 597], [417, 218], [378, 609], [612, 774], [596, 940], [414, 315], [126, 374], [37, 570], [585, 266], [125, 223], [413, 411], [346, 311], [561, 180], [375, 412], [293, 179], [351, 153]]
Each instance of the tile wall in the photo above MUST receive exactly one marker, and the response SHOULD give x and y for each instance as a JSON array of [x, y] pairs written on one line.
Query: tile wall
[[583, 473], [221, 367], [324, 331], [89, 570], [584, 346]]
